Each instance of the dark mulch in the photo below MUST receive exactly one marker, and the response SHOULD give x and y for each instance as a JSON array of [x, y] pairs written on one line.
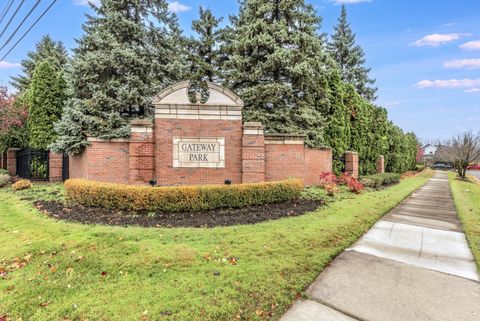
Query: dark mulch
[[219, 217]]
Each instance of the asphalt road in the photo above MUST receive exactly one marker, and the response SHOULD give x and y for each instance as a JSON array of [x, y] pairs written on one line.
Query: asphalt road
[[474, 173]]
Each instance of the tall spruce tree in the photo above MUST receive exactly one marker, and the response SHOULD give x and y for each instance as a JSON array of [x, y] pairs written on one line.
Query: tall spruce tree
[[275, 66], [46, 49], [46, 97], [205, 57], [129, 51], [351, 58]]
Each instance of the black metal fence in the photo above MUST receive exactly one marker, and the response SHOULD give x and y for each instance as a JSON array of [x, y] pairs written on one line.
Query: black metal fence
[[65, 167], [33, 164]]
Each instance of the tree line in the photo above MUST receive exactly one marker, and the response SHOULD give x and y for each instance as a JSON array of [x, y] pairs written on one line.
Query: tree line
[[291, 76]]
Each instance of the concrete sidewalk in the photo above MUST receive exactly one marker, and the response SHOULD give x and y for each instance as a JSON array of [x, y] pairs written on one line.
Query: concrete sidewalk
[[414, 264]]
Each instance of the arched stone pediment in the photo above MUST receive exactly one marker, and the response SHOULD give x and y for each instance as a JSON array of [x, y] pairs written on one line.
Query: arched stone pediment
[[177, 94]]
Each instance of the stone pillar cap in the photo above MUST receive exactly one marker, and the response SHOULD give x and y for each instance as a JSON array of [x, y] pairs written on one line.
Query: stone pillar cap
[[141, 122], [253, 124]]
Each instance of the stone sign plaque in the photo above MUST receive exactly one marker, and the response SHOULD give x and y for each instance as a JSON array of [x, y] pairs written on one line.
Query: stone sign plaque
[[208, 152]]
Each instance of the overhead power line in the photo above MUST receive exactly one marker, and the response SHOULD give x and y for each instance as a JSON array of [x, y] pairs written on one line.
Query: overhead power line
[[11, 18], [29, 29], [5, 10], [20, 25]]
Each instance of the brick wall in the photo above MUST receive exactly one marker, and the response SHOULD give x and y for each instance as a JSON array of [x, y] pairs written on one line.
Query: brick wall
[[253, 153], [55, 167], [12, 161], [78, 165], [250, 156], [284, 157], [167, 129], [316, 162], [142, 152], [103, 161], [351, 163], [381, 165]]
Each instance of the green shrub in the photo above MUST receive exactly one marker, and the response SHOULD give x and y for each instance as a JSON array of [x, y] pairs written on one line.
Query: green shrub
[[4, 179], [182, 198], [420, 167], [3, 171], [22, 184], [379, 180]]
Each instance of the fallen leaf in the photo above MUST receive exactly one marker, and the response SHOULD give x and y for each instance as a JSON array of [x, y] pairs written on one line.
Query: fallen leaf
[[44, 304]]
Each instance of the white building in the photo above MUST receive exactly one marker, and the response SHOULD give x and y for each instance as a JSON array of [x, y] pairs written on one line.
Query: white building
[[429, 150]]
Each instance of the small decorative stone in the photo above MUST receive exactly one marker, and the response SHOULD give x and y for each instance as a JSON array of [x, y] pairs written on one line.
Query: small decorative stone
[[198, 97]]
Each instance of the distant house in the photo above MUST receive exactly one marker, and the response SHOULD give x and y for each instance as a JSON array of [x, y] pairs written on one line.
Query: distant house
[[429, 151]]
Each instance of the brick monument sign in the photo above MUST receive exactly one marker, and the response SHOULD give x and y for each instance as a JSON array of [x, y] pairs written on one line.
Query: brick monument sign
[[199, 143]]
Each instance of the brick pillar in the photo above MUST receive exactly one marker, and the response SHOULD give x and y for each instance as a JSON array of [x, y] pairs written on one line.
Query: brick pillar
[[351, 163], [12, 161], [55, 167], [381, 165], [253, 153], [141, 152]]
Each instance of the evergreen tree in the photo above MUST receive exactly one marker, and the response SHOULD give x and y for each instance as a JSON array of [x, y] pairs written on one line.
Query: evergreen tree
[[351, 58], [377, 139], [205, 49], [337, 130], [275, 66], [130, 50], [46, 49], [402, 150], [46, 97]]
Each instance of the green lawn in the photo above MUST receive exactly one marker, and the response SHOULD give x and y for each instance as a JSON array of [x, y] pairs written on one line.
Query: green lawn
[[64, 271], [466, 194]]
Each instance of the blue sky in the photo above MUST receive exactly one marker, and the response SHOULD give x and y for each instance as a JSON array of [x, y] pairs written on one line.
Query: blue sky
[[424, 54]]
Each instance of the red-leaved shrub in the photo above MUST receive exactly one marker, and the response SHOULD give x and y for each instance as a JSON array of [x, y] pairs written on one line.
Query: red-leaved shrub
[[351, 182], [327, 178]]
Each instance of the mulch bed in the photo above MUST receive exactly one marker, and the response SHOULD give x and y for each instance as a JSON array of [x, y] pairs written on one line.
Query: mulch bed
[[220, 217]]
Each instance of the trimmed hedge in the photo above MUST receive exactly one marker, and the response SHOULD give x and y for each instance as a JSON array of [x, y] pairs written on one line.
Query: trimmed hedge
[[379, 180], [181, 198], [22, 184], [4, 180]]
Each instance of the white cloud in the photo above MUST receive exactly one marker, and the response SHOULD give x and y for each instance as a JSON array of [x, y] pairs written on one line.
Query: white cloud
[[462, 64], [176, 7], [350, 1], [450, 24], [473, 90], [85, 2], [437, 39], [449, 83], [8, 65], [471, 45], [391, 103]]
